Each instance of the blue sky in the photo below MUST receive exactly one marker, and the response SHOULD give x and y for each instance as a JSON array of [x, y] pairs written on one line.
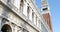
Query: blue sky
[[55, 13]]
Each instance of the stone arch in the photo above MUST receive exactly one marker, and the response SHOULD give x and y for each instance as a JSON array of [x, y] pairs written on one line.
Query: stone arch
[[6, 28]]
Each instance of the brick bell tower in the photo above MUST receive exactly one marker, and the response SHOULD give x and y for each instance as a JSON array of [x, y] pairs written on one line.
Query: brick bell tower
[[46, 12]]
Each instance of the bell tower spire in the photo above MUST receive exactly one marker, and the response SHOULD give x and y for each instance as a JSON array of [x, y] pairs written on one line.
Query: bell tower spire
[[46, 12], [45, 7]]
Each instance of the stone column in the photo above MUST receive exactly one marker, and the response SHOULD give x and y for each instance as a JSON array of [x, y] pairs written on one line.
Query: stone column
[[0, 23]]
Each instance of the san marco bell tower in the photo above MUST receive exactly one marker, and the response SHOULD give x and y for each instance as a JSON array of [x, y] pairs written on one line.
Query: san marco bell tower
[[46, 13]]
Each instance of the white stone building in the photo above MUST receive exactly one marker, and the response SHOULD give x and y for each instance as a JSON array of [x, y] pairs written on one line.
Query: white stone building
[[21, 16]]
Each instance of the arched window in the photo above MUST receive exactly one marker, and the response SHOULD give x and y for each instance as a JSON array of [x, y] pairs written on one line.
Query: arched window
[[28, 10], [21, 5], [32, 16]]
